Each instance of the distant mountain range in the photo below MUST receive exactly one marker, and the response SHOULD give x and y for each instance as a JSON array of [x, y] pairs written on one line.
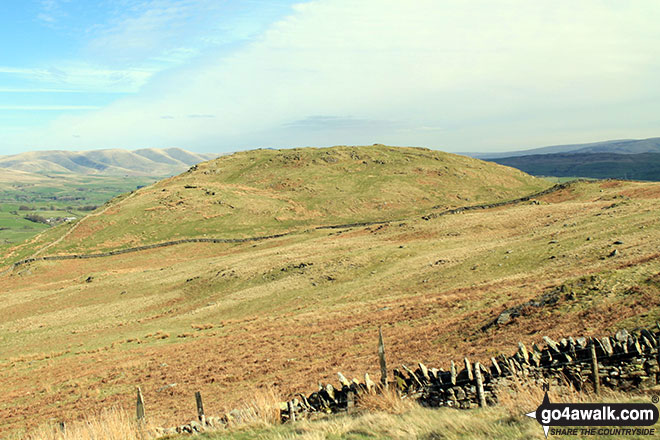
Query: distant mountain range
[[111, 162], [636, 159], [642, 166], [621, 146]]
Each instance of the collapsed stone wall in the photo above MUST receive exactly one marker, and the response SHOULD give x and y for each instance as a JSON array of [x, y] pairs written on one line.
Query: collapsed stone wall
[[625, 361]]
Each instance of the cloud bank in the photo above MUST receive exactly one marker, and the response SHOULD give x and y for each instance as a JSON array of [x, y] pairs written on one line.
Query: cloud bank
[[450, 74]]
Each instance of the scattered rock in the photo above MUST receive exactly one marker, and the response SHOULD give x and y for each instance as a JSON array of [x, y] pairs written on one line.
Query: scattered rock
[[166, 387]]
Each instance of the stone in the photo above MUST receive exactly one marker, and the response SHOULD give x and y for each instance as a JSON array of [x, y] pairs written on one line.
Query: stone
[[635, 348], [413, 377], [468, 368], [495, 368], [552, 345], [504, 318], [648, 335], [535, 359], [425, 372], [523, 352], [646, 343], [196, 426], [343, 381], [607, 346], [622, 335], [331, 392], [369, 383]]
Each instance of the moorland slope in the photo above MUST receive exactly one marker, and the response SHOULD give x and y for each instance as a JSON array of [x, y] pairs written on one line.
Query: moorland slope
[[230, 319]]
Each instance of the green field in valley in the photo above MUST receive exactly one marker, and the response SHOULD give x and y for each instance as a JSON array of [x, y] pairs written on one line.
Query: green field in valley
[[29, 200]]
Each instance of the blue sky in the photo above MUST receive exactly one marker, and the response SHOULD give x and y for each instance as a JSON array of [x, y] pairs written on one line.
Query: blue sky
[[215, 76]]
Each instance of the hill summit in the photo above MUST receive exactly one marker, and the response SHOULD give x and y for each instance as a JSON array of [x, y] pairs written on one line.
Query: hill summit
[[263, 192]]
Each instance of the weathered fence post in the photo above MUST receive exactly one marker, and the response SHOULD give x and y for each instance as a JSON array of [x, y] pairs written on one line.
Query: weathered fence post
[[140, 405], [381, 355], [139, 409], [481, 397], [350, 401], [594, 368], [292, 411], [200, 408]]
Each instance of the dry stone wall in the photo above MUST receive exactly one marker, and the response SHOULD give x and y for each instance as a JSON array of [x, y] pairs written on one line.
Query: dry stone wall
[[625, 361]]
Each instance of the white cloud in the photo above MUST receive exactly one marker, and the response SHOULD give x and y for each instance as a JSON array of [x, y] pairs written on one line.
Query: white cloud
[[85, 77], [48, 107], [501, 74], [154, 31]]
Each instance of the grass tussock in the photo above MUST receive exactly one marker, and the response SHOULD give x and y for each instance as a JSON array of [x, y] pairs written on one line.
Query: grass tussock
[[388, 401], [521, 397], [503, 422], [416, 423], [262, 409], [381, 416], [109, 424]]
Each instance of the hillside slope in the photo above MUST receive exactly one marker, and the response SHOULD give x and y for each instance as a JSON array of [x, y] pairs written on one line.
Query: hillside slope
[[265, 192], [145, 162], [233, 319]]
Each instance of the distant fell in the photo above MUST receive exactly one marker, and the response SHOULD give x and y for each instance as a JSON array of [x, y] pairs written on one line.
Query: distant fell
[[642, 166], [109, 162], [620, 146]]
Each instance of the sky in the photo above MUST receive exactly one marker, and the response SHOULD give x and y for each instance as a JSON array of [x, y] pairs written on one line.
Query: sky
[[227, 75]]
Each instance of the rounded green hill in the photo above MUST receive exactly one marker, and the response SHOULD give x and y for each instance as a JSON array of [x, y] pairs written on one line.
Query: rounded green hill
[[263, 192]]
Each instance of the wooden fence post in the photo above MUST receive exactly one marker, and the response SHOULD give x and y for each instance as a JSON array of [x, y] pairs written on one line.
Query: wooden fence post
[[381, 355], [350, 401], [200, 408], [481, 397], [140, 405], [594, 368]]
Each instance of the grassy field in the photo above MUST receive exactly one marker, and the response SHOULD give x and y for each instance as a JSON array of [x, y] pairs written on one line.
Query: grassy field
[[231, 319], [51, 196]]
